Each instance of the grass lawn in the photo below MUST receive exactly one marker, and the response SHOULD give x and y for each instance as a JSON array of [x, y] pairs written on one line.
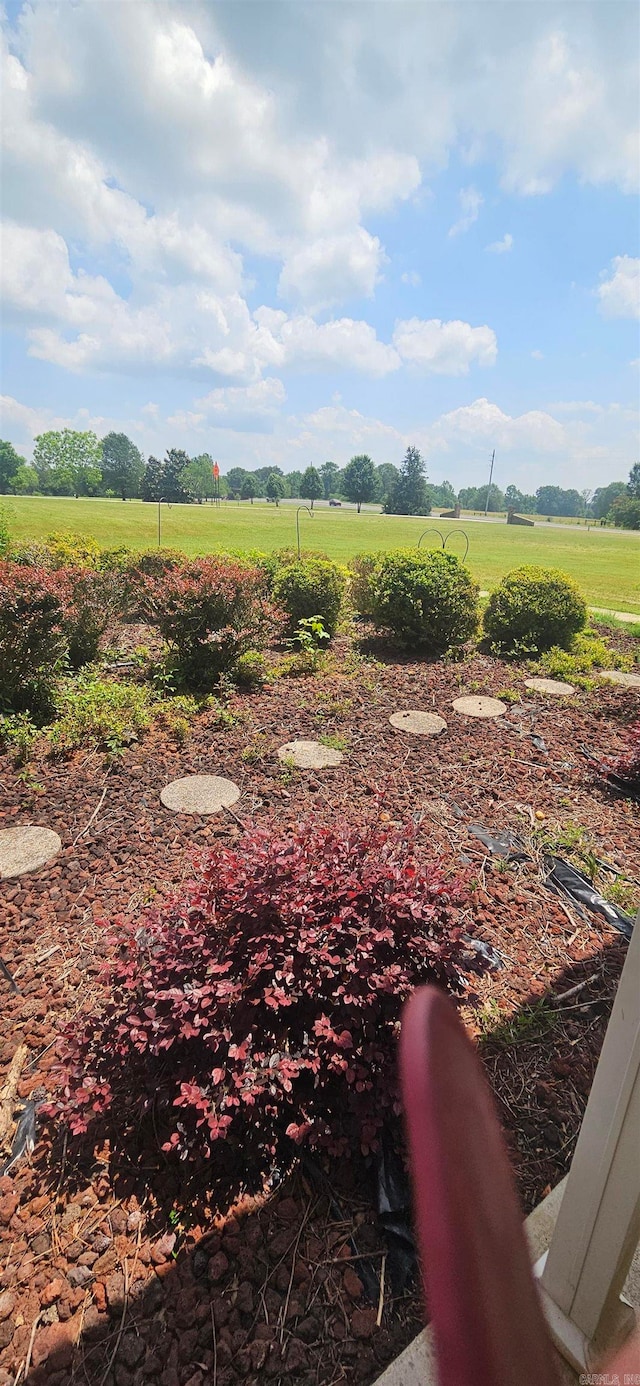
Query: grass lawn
[[606, 563]]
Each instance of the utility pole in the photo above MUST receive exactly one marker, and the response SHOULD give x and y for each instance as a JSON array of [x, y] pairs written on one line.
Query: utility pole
[[493, 458]]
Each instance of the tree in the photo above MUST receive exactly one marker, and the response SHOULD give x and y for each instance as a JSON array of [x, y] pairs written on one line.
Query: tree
[[248, 489], [152, 481], [312, 487], [604, 497], [519, 500], [329, 473], [68, 463], [122, 465], [410, 495], [174, 464], [261, 477], [443, 495], [294, 482], [386, 477], [359, 480], [275, 487], [496, 498], [24, 481], [10, 460], [197, 478], [626, 511], [633, 484], [235, 478], [468, 498], [553, 500]]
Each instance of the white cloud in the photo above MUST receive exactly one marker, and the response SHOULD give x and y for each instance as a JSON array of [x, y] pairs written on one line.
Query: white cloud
[[264, 398], [444, 348], [412, 278], [503, 246], [470, 203], [486, 422], [620, 294], [537, 354], [333, 269]]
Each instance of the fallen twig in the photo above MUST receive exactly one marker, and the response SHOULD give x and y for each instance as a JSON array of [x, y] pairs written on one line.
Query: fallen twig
[[93, 815], [8, 1094]]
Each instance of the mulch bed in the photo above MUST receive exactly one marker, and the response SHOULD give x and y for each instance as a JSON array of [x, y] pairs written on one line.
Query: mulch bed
[[124, 1271]]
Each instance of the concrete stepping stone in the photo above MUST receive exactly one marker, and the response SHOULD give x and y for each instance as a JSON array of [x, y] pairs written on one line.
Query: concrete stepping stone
[[479, 707], [200, 794], [419, 723], [552, 686], [309, 755], [26, 849], [621, 676]]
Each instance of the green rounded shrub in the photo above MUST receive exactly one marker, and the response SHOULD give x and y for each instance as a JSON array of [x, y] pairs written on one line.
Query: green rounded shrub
[[533, 609], [428, 601], [310, 587], [361, 571]]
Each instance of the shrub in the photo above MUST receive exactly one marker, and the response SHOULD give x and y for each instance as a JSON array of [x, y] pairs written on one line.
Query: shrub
[[264, 1007], [588, 652], [210, 611], [33, 643], [94, 600], [362, 570], [622, 773], [94, 711], [18, 734], [310, 587], [533, 609], [427, 600], [251, 669], [59, 550]]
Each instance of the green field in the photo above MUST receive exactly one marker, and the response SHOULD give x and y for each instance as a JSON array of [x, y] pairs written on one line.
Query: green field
[[606, 563]]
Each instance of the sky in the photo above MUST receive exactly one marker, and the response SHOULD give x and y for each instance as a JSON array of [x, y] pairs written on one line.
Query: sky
[[286, 231]]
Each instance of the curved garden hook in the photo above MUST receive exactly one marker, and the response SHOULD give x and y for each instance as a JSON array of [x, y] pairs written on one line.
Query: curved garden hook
[[465, 536], [431, 530]]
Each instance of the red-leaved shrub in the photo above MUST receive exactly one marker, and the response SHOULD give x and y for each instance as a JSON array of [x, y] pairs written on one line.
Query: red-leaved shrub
[[264, 1007], [209, 611], [33, 644], [623, 772]]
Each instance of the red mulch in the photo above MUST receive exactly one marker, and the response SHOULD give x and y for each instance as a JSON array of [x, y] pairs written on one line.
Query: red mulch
[[124, 1271]]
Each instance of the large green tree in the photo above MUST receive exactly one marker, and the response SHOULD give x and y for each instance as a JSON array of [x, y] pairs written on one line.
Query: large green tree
[[275, 487], [196, 478], [410, 495], [248, 488], [152, 481], [311, 487], [10, 460], [122, 466], [443, 495], [604, 496], [174, 464], [234, 479], [554, 500], [68, 463], [358, 480], [386, 477], [294, 482], [24, 481], [633, 484], [329, 473]]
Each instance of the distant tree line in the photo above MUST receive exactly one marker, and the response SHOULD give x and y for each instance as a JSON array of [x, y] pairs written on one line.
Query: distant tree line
[[70, 463]]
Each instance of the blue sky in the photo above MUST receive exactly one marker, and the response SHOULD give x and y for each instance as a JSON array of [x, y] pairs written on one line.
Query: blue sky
[[286, 232]]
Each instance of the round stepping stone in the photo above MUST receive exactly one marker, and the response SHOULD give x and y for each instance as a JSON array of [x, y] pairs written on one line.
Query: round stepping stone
[[420, 723], [26, 849], [480, 707], [309, 755], [621, 676], [553, 686], [200, 794]]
